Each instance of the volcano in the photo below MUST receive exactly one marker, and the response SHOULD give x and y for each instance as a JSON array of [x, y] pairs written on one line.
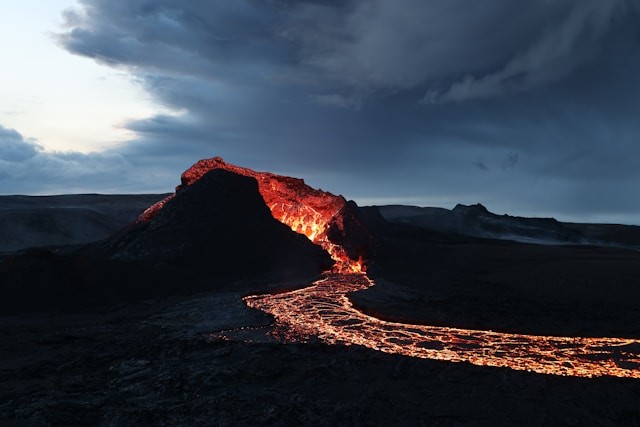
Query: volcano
[[325, 311], [183, 314], [324, 218], [218, 223], [215, 231]]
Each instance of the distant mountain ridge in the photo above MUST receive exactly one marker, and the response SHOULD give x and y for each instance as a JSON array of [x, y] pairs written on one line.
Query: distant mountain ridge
[[37, 221], [477, 221], [31, 221]]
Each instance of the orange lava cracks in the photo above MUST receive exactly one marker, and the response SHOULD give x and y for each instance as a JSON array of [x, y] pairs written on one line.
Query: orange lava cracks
[[314, 225], [324, 311]]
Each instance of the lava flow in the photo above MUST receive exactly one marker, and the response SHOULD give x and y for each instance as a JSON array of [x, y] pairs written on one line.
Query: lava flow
[[324, 311]]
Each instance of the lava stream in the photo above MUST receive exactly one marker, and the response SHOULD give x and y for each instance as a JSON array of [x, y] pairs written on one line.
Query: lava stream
[[324, 310]]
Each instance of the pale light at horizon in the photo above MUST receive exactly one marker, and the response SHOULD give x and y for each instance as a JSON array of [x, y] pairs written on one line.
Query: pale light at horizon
[[65, 102]]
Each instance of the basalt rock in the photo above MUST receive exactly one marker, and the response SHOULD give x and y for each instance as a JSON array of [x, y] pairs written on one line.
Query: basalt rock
[[217, 223]]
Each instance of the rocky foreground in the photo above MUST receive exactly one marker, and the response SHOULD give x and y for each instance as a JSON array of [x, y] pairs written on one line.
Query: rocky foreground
[[158, 363]]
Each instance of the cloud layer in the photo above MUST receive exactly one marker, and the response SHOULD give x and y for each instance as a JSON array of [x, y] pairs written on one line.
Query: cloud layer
[[529, 108], [25, 167]]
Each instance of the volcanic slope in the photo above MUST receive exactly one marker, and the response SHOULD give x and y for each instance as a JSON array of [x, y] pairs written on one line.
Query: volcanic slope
[[328, 220], [220, 223], [210, 235]]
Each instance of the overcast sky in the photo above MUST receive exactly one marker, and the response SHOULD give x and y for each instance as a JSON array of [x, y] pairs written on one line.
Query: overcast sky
[[529, 107]]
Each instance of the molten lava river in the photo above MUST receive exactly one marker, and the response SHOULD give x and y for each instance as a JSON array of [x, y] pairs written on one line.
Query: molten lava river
[[324, 311]]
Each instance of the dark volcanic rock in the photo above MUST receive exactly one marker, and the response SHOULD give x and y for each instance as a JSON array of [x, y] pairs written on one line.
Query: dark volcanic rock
[[323, 217], [40, 280], [218, 224], [348, 231], [151, 366]]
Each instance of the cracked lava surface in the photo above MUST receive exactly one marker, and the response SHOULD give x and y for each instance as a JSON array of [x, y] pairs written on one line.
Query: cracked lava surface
[[324, 311]]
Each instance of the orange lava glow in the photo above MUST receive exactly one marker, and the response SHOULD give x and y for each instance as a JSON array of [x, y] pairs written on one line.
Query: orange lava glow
[[324, 311], [306, 210], [314, 225]]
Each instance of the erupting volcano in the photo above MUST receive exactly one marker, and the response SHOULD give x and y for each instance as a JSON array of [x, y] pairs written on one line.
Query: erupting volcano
[[324, 310], [321, 216]]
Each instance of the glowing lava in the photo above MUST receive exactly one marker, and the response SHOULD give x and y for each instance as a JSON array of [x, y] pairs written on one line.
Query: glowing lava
[[306, 210], [324, 310]]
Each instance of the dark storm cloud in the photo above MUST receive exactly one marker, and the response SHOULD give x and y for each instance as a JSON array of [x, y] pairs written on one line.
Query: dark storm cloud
[[388, 100], [201, 38]]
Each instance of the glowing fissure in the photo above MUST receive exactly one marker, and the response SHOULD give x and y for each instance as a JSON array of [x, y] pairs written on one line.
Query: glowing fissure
[[314, 225], [324, 311]]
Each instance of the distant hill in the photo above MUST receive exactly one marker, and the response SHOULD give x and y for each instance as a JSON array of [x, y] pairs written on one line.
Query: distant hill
[[32, 221], [477, 221], [44, 221]]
